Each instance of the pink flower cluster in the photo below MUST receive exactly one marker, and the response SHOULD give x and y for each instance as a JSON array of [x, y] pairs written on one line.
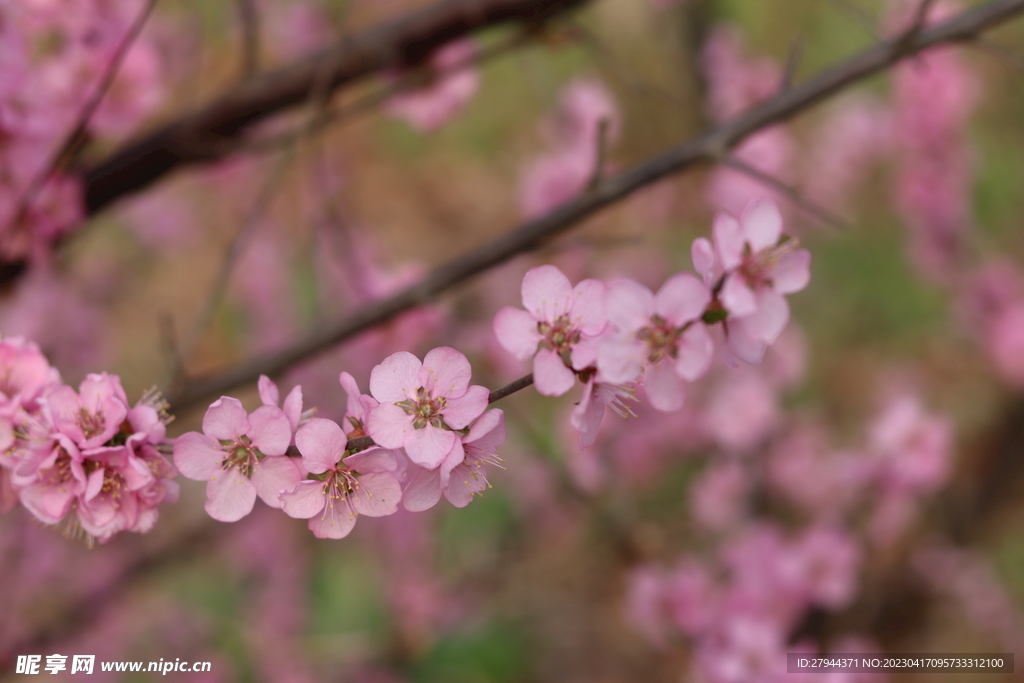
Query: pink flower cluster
[[54, 57], [431, 437], [86, 460], [452, 83], [613, 337]]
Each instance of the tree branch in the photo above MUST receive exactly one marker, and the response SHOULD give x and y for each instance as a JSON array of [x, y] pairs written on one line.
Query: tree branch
[[404, 41], [710, 146]]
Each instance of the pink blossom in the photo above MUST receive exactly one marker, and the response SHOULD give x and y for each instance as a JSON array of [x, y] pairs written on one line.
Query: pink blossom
[[341, 487], [558, 317], [661, 336], [1005, 344], [830, 561], [759, 266], [24, 373], [586, 105], [742, 412], [93, 415], [421, 403], [292, 407], [554, 179], [454, 82], [468, 477], [912, 448], [597, 396], [240, 456], [718, 497]]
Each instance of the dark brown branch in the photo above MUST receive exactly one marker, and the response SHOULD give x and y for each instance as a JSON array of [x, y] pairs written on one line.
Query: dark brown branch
[[710, 146], [200, 135]]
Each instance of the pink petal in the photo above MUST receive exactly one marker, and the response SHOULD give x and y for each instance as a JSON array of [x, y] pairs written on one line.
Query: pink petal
[[321, 443], [621, 358], [550, 374], [293, 406], [488, 432], [461, 411], [737, 297], [793, 272], [197, 456], [465, 481], [375, 460], [630, 305], [389, 425], [589, 306], [225, 419], [454, 458], [337, 521], [423, 490], [269, 395], [428, 447], [740, 344], [305, 500], [587, 416], [273, 475], [517, 332], [378, 495], [396, 379], [770, 319], [47, 504], [547, 293], [681, 299], [584, 352], [729, 240], [445, 372], [664, 389], [271, 432], [694, 352], [354, 407], [229, 496], [703, 256], [762, 224]]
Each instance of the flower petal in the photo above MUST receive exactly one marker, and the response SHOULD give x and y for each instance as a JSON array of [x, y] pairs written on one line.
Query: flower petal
[[770, 319], [630, 305], [229, 496], [703, 256], [269, 395], [792, 273], [271, 432], [517, 332], [681, 299], [423, 490], [729, 240], [305, 500], [428, 447], [225, 419], [739, 299], [461, 411], [550, 374], [588, 309], [664, 389], [197, 456], [762, 224], [694, 352], [273, 475], [547, 293], [389, 425], [445, 372], [396, 379], [378, 495], [337, 521], [321, 443]]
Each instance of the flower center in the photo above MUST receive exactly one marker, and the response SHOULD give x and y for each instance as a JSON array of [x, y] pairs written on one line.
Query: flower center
[[425, 409], [660, 338], [91, 424], [241, 454], [758, 268], [559, 335]]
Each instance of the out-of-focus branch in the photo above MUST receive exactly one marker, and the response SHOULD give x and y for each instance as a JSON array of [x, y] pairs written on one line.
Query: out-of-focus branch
[[200, 135], [710, 146]]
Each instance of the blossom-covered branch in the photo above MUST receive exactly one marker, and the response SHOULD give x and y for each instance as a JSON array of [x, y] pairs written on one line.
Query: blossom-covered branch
[[709, 147]]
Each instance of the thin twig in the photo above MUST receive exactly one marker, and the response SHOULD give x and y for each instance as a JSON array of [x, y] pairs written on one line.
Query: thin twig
[[600, 152], [791, 193], [710, 146], [796, 51]]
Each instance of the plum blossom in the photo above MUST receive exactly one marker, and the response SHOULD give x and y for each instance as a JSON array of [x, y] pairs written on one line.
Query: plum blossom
[[660, 335], [454, 82], [759, 265], [240, 456], [422, 402], [342, 487], [557, 320], [597, 396], [468, 477]]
